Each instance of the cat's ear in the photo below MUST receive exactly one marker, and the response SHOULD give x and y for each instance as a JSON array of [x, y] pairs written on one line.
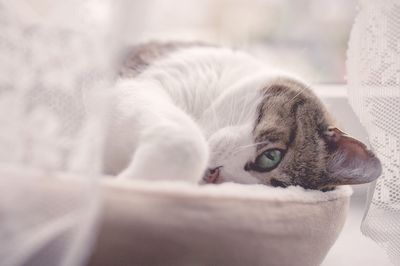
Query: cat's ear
[[350, 162]]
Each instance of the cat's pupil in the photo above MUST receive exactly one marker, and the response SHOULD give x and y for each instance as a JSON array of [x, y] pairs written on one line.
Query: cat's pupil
[[271, 155]]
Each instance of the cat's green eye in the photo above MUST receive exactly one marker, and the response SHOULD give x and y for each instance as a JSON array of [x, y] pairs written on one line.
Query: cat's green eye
[[268, 160]]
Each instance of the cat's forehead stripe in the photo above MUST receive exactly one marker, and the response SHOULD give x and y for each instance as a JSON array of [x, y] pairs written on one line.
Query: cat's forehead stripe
[[271, 134], [274, 117]]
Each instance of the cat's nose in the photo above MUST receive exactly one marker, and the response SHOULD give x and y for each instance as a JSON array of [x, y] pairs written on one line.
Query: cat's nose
[[211, 175]]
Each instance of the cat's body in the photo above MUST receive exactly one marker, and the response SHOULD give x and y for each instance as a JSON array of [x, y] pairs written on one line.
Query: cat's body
[[181, 109]]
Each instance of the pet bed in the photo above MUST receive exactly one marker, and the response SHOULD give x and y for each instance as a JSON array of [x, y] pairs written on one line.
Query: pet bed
[[148, 223]]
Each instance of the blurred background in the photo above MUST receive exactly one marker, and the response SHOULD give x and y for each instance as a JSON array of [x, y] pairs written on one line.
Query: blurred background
[[306, 36]]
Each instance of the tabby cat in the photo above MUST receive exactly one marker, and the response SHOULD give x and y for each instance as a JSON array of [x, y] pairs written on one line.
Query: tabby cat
[[203, 113]]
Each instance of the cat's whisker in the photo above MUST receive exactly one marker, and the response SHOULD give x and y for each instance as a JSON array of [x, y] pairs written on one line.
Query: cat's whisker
[[254, 144], [297, 94], [243, 147]]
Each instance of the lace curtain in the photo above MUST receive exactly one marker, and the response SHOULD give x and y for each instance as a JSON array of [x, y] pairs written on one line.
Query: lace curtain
[[373, 68], [56, 61]]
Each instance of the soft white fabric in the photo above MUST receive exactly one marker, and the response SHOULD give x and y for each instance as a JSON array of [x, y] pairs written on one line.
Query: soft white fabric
[[149, 223]]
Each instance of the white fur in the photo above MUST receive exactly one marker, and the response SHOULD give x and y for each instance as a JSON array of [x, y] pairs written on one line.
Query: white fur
[[193, 110]]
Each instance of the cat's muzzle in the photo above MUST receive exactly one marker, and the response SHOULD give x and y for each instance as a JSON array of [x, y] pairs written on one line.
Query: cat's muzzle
[[211, 175]]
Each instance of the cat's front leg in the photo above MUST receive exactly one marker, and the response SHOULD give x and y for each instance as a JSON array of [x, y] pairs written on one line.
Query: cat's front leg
[[168, 151], [169, 144]]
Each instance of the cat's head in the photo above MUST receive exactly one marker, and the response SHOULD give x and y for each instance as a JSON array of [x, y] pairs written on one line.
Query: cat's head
[[292, 141]]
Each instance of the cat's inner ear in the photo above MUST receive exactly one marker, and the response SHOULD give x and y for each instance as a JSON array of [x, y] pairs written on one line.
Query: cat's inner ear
[[349, 162]]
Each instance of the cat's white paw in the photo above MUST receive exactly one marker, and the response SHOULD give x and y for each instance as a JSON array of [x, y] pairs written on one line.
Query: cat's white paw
[[169, 152]]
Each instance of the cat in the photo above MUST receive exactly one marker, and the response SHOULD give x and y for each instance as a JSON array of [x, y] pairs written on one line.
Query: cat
[[208, 114]]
